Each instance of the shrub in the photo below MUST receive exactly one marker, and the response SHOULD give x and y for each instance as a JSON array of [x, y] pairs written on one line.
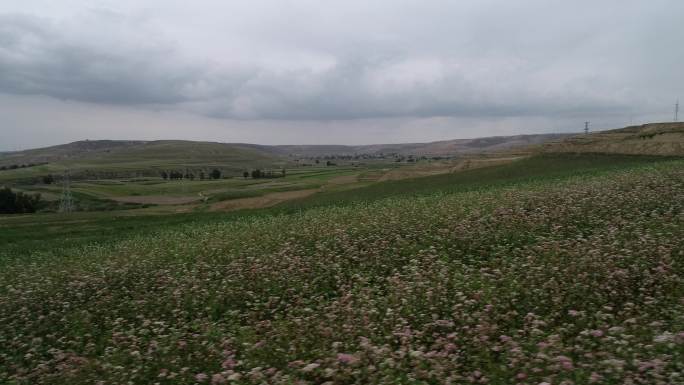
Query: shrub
[[17, 202]]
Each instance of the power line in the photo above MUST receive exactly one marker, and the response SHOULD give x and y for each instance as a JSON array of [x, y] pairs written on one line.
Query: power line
[[66, 202]]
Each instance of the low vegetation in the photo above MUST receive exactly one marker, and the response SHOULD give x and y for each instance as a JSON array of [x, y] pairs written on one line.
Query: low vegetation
[[12, 202], [546, 167], [552, 276]]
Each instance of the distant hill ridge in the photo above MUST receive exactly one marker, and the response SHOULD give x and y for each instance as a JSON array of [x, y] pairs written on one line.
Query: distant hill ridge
[[651, 139], [452, 147], [116, 149], [121, 151]]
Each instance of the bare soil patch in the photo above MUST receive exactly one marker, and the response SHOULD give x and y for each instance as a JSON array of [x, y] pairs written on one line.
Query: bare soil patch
[[266, 200], [445, 168], [157, 199]]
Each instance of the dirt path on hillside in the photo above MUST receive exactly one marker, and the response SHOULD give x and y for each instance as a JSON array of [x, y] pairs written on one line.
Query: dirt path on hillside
[[156, 199], [266, 200], [472, 164], [275, 198], [445, 168], [344, 179]]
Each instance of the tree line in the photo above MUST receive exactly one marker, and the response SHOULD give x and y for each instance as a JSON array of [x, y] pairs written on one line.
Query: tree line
[[216, 174], [258, 173], [190, 175], [18, 202], [16, 166]]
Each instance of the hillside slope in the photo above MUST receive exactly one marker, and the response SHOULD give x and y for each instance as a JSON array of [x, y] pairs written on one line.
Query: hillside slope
[[124, 158], [577, 281], [439, 148], [647, 139]]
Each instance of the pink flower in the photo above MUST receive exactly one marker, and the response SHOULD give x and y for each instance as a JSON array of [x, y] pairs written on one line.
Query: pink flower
[[597, 333], [217, 379], [229, 363], [296, 363], [594, 378], [565, 362], [573, 313], [310, 368], [201, 377], [679, 338], [348, 359]]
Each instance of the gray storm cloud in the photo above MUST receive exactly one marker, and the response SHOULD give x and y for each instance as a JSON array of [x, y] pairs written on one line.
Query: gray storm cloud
[[37, 57], [332, 61]]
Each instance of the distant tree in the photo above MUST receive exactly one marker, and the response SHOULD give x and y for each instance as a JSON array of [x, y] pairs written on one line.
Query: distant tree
[[201, 175], [48, 179], [245, 174], [329, 163], [191, 176], [215, 174], [7, 201], [17, 202], [318, 161], [256, 173], [164, 175], [282, 172]]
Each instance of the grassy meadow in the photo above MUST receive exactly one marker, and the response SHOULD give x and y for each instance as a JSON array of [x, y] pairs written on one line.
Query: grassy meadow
[[557, 269]]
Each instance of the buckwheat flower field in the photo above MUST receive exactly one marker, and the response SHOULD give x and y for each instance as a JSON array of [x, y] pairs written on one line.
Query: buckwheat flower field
[[576, 282]]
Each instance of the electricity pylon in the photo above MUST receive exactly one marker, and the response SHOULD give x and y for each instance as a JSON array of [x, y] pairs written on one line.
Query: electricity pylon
[[66, 202]]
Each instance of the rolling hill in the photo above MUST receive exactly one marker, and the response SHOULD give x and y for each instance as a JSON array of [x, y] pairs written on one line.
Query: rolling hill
[[439, 148], [647, 139], [126, 158]]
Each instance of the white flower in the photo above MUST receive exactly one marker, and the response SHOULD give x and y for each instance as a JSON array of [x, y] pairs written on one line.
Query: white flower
[[664, 338]]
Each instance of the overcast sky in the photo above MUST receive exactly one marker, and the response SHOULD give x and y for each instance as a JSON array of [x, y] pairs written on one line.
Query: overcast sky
[[352, 72]]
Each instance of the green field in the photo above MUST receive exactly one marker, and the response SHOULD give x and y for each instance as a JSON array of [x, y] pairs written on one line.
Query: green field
[[142, 192], [108, 158], [548, 167], [557, 269], [26, 233]]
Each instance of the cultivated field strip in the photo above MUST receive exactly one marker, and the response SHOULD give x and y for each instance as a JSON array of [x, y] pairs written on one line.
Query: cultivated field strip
[[574, 283]]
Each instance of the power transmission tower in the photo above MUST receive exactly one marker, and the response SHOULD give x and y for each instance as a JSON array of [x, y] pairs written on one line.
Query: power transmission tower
[[677, 111], [586, 128], [66, 202]]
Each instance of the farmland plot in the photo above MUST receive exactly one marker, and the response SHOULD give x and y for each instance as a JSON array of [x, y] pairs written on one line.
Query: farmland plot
[[575, 282]]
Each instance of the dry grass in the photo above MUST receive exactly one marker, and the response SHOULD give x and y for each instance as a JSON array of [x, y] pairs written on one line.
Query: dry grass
[[649, 139], [267, 200], [157, 199]]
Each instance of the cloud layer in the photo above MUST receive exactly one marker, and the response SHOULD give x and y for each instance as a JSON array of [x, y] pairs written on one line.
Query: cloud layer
[[308, 60]]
